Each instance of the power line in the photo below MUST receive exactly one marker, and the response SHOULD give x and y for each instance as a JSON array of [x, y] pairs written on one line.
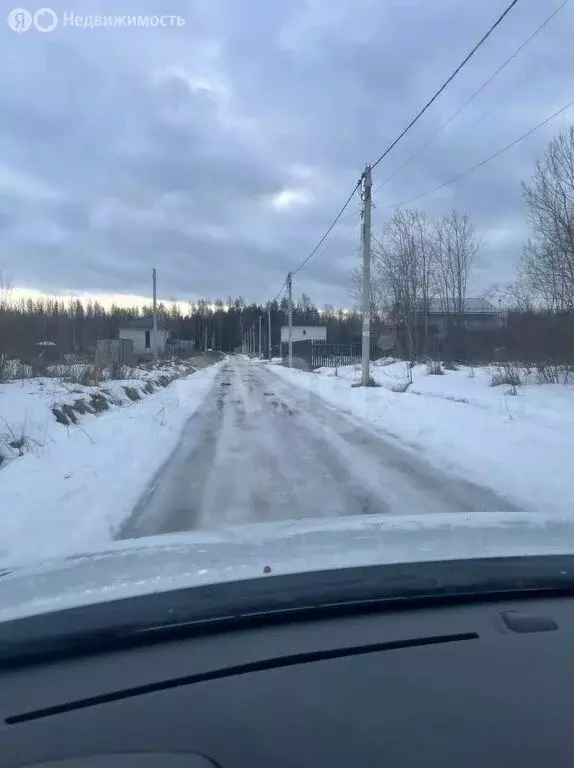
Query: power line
[[504, 96], [279, 292], [446, 83], [403, 133], [409, 126], [482, 162], [328, 232], [474, 95], [346, 233]]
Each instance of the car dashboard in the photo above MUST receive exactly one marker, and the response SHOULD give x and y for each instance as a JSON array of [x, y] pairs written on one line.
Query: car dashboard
[[484, 682]]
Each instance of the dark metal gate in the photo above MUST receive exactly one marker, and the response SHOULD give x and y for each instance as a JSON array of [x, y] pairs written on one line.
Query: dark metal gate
[[317, 354]]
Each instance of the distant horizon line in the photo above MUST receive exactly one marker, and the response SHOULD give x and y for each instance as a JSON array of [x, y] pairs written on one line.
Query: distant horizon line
[[126, 300]]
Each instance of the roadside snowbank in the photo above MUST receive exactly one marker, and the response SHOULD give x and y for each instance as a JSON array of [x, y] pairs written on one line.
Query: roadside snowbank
[[81, 482], [519, 445], [32, 408]]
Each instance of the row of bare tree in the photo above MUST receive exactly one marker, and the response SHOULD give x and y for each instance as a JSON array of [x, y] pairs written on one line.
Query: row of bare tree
[[418, 261]]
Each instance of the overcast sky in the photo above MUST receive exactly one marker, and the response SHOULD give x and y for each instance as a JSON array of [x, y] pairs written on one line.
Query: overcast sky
[[220, 150]]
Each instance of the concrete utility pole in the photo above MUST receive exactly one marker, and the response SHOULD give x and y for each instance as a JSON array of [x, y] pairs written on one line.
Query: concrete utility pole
[[290, 334], [269, 332], [154, 334], [366, 350], [260, 346]]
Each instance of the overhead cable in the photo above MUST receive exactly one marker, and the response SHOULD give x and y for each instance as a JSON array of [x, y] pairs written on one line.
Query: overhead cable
[[391, 146], [489, 110], [479, 90], [328, 232], [279, 292], [482, 162], [446, 83]]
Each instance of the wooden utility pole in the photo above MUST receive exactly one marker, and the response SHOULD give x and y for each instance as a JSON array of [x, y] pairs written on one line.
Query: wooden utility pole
[[260, 345], [290, 333], [269, 332], [154, 321], [366, 348]]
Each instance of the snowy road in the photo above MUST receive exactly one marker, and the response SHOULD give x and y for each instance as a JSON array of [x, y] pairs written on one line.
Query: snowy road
[[261, 450]]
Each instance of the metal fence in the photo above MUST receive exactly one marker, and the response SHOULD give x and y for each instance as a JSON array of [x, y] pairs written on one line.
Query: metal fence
[[317, 354], [181, 347]]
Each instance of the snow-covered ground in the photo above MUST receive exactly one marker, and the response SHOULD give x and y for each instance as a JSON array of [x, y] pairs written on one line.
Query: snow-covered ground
[[261, 450], [269, 444], [31, 409], [74, 485], [521, 446]]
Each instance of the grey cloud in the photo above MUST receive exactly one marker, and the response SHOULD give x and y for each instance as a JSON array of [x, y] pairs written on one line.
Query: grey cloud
[[164, 147]]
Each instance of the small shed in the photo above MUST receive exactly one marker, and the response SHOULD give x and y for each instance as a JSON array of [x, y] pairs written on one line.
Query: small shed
[[304, 333], [111, 352], [141, 333]]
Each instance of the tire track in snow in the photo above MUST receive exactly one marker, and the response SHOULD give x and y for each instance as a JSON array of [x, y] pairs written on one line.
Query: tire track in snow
[[261, 450]]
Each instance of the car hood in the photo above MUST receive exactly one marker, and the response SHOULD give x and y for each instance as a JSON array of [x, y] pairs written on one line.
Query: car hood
[[175, 561]]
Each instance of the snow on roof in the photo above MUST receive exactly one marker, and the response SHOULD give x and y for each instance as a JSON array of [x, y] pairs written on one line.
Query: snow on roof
[[470, 306]]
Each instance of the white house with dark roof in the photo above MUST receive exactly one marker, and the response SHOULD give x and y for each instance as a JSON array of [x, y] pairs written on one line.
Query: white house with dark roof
[[141, 333]]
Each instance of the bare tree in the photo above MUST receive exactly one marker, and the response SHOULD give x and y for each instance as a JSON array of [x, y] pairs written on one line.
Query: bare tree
[[426, 260], [547, 264], [456, 248], [403, 271], [357, 290], [414, 261], [515, 295]]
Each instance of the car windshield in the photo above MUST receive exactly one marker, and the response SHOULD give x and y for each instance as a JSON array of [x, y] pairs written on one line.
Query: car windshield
[[271, 269]]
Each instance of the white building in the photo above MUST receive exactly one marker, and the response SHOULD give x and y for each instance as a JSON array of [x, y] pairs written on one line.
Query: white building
[[140, 331], [304, 333]]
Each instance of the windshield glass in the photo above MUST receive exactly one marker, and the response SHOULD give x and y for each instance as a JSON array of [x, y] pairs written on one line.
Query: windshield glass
[[277, 267]]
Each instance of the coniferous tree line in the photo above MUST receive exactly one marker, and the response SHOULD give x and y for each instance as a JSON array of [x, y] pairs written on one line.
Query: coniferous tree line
[[74, 326]]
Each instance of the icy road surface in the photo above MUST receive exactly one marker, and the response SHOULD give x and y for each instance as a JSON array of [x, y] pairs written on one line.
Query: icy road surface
[[261, 450]]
